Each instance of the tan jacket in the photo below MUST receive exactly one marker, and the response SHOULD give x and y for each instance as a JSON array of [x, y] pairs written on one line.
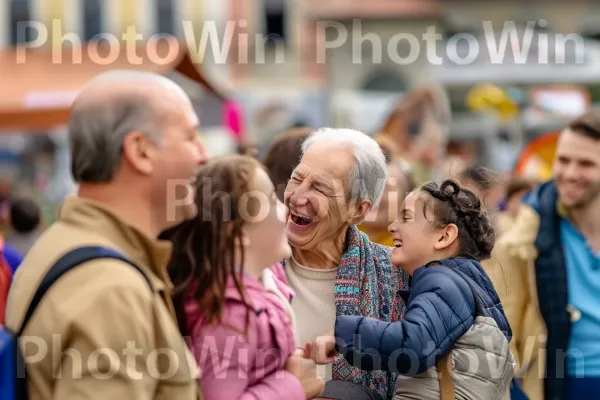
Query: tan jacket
[[515, 254], [101, 332], [482, 368]]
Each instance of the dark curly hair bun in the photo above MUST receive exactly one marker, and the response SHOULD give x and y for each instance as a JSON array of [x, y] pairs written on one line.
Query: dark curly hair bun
[[460, 206]]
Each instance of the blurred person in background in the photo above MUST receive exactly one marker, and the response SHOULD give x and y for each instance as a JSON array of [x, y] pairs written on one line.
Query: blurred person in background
[[334, 268], [502, 197], [418, 126], [11, 257], [398, 184], [551, 256], [231, 296], [6, 269], [131, 136], [25, 218], [515, 189], [460, 154], [486, 183], [6, 273], [284, 156]]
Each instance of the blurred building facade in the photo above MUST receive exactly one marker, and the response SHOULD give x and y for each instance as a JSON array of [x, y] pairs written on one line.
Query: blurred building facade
[[37, 162], [359, 80], [301, 77], [88, 18]]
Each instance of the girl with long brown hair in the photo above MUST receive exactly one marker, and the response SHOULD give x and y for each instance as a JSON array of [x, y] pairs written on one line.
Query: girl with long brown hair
[[231, 295]]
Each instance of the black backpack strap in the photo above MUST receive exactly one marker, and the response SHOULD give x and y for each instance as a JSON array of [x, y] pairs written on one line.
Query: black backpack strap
[[67, 262]]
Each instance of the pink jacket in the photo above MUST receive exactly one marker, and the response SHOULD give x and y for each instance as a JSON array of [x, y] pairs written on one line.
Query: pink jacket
[[246, 368]]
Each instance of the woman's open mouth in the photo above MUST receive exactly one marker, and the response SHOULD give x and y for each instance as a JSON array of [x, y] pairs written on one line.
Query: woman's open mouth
[[397, 243], [300, 220]]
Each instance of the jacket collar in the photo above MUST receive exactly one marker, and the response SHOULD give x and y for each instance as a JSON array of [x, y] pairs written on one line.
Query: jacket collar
[[562, 210], [150, 254], [250, 286]]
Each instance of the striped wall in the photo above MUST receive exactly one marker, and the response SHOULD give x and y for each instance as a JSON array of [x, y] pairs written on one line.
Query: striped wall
[[115, 15]]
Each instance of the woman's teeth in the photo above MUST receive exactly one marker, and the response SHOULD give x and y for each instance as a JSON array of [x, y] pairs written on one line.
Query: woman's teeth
[[397, 243], [301, 219]]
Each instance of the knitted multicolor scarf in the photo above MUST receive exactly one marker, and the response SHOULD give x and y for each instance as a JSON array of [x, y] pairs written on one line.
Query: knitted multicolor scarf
[[367, 284]]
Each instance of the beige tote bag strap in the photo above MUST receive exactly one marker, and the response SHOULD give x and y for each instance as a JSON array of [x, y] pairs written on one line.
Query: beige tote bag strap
[[444, 367]]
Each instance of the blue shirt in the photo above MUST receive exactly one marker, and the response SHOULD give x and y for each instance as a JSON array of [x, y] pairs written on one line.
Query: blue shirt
[[583, 279]]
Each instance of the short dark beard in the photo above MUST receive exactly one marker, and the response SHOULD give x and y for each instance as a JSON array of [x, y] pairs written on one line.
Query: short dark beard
[[589, 197]]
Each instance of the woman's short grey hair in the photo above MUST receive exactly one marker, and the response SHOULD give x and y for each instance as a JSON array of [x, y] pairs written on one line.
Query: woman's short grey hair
[[368, 175]]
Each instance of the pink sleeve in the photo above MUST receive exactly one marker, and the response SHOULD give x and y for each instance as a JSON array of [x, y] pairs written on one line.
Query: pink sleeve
[[225, 358]]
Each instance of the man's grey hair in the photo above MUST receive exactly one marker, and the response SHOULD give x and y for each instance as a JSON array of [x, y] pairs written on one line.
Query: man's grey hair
[[98, 126], [368, 176]]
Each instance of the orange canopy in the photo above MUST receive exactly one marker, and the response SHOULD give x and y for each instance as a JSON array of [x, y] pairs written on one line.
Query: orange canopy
[[37, 86]]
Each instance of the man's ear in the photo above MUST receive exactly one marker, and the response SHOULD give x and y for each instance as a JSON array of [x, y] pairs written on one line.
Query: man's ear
[[358, 212], [138, 152], [448, 236]]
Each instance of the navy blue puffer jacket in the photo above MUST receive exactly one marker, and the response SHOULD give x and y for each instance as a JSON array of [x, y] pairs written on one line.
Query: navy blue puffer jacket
[[442, 305]]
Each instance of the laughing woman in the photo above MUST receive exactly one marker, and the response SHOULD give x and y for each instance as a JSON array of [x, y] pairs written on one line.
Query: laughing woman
[[335, 269]]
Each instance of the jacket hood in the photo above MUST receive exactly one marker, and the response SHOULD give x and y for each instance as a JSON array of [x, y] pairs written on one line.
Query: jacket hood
[[483, 290]]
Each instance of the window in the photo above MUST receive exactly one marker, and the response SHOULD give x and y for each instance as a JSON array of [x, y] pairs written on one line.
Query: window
[[20, 11], [385, 82], [164, 17], [92, 18], [275, 19], [594, 91], [593, 36]]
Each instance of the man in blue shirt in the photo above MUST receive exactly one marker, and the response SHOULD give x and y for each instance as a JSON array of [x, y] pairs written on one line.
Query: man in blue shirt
[[553, 267]]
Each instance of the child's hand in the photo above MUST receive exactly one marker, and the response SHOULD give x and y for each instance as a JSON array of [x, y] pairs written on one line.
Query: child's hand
[[306, 371], [307, 350], [322, 350]]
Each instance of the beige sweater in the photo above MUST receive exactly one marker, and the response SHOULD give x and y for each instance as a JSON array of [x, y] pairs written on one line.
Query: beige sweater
[[314, 305]]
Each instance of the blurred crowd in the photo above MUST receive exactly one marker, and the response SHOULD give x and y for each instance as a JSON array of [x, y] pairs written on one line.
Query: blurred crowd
[[337, 265]]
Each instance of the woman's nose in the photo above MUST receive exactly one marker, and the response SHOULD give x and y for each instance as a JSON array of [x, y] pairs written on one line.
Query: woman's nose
[[301, 201], [298, 197]]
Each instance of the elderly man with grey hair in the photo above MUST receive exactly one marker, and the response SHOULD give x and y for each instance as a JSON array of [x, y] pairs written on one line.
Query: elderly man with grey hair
[[110, 324], [334, 268]]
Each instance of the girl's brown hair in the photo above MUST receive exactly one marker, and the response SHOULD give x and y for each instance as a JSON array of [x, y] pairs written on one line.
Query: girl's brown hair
[[284, 156], [204, 248], [460, 206]]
